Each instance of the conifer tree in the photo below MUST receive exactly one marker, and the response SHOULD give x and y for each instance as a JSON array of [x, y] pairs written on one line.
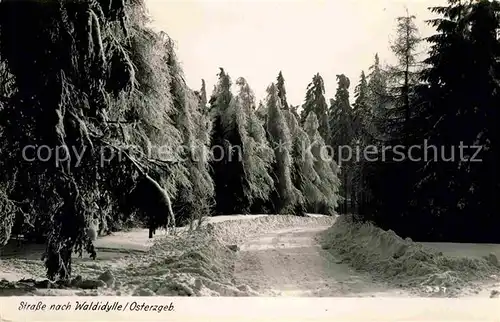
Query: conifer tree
[[201, 95], [361, 110], [285, 195], [304, 176], [282, 91], [342, 134], [363, 134], [378, 96], [256, 156], [84, 79], [315, 102], [324, 165], [241, 169], [195, 194], [341, 114], [226, 145], [404, 76]]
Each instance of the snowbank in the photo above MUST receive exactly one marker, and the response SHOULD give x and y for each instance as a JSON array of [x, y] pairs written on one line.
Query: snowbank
[[236, 231], [404, 263], [194, 265]]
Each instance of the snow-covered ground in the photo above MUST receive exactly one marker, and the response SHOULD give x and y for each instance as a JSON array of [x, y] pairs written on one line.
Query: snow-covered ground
[[245, 255]]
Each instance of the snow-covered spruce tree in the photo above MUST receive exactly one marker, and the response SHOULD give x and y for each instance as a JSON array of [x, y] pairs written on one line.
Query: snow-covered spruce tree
[[227, 169], [194, 198], [340, 113], [280, 84], [372, 111], [362, 131], [256, 156], [285, 196], [342, 134], [142, 124], [324, 165], [202, 94], [304, 176], [203, 107], [378, 97], [404, 76], [82, 85], [315, 102], [361, 110]]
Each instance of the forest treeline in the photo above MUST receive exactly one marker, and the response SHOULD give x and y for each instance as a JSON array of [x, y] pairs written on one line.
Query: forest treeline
[[90, 76]]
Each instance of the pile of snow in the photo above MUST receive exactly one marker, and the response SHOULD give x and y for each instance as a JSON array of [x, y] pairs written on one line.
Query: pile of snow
[[403, 262], [236, 231], [190, 265], [194, 265]]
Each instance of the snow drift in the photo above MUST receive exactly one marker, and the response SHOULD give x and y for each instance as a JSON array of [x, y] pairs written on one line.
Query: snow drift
[[236, 231], [403, 262]]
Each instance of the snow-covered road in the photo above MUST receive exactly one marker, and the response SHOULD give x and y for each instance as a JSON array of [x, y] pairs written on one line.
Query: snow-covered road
[[290, 262]]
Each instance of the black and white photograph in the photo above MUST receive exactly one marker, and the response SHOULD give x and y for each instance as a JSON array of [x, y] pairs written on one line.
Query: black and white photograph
[[280, 148]]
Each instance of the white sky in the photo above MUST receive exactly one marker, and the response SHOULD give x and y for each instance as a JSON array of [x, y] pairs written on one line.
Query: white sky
[[256, 39]]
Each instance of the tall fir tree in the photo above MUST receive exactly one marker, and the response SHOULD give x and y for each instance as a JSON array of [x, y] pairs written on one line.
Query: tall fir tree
[[362, 137], [341, 126], [226, 168], [315, 102], [324, 165], [304, 176], [285, 195], [341, 114], [195, 193], [203, 93], [361, 110], [202, 97], [404, 76], [378, 96], [252, 152], [282, 91], [89, 78]]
